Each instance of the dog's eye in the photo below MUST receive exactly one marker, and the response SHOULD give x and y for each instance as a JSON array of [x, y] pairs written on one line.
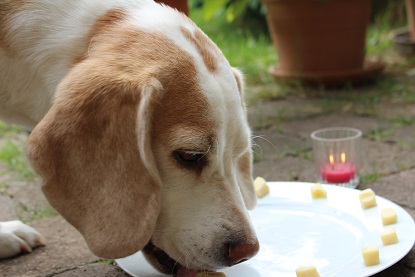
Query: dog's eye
[[189, 158]]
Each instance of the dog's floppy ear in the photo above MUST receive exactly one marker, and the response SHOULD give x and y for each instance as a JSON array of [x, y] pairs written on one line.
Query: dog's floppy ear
[[93, 150], [245, 181]]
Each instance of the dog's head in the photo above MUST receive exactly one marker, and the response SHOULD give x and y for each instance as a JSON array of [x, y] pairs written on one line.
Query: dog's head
[[147, 143]]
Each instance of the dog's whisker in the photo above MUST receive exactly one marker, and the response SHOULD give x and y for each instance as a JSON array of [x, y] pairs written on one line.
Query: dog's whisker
[[207, 151], [187, 258], [265, 139], [254, 146], [176, 261]]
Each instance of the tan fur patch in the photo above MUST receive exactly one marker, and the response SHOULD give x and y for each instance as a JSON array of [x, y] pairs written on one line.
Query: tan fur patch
[[7, 9], [137, 55], [103, 23], [206, 48]]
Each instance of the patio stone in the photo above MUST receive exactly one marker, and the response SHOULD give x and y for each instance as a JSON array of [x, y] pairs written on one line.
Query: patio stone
[[93, 270], [305, 127], [265, 114], [384, 158], [65, 249], [7, 209], [286, 169]]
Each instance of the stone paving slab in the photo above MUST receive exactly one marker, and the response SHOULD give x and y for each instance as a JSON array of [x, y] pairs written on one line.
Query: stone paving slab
[[265, 114], [7, 209], [93, 270], [286, 169], [65, 249], [271, 143], [304, 127], [384, 158]]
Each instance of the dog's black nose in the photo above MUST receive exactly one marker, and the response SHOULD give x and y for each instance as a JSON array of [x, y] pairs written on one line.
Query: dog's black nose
[[240, 251]]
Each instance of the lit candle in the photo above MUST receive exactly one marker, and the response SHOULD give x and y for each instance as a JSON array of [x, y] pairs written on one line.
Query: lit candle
[[337, 172]]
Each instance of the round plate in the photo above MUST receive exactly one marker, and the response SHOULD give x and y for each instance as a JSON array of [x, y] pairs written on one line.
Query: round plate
[[296, 230]]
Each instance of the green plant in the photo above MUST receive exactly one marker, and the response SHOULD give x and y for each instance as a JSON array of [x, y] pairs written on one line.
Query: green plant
[[5, 128], [379, 134], [232, 8], [369, 177], [252, 53], [13, 155], [27, 214], [107, 262]]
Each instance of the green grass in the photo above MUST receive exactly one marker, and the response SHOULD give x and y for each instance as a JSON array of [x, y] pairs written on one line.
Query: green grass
[[6, 129], [27, 214], [251, 52], [402, 121], [14, 156], [378, 38], [369, 177], [379, 134]]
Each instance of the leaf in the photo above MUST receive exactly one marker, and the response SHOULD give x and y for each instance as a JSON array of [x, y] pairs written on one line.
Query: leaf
[[235, 9], [211, 7]]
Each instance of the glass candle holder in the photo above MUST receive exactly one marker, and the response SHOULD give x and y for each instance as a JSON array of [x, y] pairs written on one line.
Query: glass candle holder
[[337, 155]]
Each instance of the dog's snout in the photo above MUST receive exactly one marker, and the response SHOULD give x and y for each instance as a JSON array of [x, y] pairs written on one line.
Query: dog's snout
[[240, 251]]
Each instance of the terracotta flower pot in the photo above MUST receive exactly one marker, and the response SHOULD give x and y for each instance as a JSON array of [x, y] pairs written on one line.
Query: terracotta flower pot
[[180, 5], [320, 40]]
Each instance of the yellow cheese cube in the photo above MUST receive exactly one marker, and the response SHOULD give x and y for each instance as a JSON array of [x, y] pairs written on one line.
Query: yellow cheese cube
[[367, 198], [307, 271], [210, 274], [317, 191], [389, 237], [370, 255], [261, 187], [388, 216]]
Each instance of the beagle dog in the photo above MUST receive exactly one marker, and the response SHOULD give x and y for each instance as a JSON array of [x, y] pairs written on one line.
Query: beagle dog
[[139, 130]]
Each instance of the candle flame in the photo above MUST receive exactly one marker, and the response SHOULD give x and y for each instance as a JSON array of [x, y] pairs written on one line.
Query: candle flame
[[331, 159], [343, 157]]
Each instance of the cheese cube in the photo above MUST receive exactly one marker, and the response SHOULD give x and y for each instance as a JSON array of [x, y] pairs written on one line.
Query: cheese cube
[[367, 198], [317, 191], [370, 255], [307, 271], [388, 216], [261, 187], [389, 237], [210, 274]]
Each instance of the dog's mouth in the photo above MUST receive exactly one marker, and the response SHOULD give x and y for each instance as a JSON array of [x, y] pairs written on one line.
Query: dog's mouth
[[163, 263]]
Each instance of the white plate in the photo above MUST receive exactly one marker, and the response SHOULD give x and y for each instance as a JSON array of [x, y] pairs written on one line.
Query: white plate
[[295, 230]]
